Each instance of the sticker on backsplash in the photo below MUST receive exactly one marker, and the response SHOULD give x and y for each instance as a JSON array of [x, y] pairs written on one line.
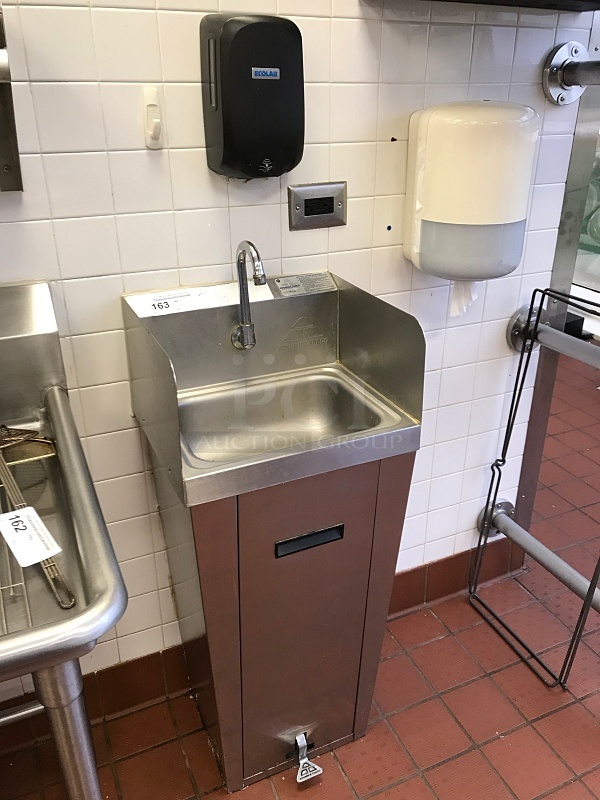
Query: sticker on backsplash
[[174, 301], [305, 284]]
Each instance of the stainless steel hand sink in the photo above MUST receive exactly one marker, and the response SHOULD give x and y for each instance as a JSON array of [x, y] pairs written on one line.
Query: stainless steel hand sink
[[335, 379]]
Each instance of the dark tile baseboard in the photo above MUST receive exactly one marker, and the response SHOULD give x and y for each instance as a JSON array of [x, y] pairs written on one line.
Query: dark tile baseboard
[[108, 693], [136, 683], [450, 575]]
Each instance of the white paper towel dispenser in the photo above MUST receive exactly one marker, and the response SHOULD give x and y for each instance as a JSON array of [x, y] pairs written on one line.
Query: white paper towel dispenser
[[469, 174]]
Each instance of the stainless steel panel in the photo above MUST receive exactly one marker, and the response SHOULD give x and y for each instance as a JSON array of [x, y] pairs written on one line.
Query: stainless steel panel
[[29, 351], [226, 480], [302, 616], [214, 665], [179, 541], [154, 395], [382, 348], [395, 475], [199, 342]]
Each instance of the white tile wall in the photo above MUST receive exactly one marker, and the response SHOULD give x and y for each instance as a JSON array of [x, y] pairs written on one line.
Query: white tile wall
[[102, 215]]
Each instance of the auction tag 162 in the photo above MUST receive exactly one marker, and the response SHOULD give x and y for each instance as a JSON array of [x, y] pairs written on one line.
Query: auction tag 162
[[28, 538]]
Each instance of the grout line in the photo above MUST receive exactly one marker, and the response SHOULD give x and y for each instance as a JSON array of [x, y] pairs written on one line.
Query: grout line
[[344, 776]]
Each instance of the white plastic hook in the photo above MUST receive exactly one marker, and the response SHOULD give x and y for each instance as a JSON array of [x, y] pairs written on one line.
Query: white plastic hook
[[153, 125]]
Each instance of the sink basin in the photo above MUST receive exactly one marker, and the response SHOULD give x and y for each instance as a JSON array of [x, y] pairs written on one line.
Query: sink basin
[[335, 379], [35, 633], [282, 412]]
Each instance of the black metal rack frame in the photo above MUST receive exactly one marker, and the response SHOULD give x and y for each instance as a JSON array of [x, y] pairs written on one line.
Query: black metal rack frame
[[496, 515]]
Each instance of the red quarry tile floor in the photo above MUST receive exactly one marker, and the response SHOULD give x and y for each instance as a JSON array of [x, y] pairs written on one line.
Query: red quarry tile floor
[[456, 715]]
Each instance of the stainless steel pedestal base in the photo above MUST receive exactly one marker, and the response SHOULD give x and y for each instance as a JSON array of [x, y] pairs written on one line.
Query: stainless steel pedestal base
[[60, 690]]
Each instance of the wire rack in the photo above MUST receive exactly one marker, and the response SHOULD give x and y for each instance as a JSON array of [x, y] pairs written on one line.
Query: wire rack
[[539, 299]]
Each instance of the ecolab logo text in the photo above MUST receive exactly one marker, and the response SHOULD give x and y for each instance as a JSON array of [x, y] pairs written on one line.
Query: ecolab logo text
[[265, 73]]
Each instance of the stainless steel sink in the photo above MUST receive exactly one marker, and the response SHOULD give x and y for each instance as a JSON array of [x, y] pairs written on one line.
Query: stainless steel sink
[[335, 379], [36, 634], [282, 412]]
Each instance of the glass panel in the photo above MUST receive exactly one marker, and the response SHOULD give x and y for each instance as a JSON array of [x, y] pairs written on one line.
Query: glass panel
[[586, 278]]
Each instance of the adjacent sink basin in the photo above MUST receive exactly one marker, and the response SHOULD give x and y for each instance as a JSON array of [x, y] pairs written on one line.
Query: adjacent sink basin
[[335, 379], [35, 633]]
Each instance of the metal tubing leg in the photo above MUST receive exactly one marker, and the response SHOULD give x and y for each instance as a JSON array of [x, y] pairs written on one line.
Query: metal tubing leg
[[60, 690]]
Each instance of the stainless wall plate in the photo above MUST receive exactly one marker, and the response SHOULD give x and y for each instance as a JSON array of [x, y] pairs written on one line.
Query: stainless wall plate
[[317, 205], [558, 85]]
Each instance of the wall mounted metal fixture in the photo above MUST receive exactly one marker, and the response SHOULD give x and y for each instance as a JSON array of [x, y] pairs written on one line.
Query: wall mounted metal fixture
[[567, 72], [527, 328], [10, 168]]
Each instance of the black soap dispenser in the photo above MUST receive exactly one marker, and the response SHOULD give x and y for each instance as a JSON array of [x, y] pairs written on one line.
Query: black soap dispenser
[[253, 94]]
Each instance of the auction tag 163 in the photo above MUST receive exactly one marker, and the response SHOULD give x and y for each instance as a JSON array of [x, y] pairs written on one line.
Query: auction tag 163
[[28, 538]]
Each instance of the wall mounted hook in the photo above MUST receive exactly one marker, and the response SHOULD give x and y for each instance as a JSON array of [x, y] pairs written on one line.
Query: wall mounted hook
[[153, 122]]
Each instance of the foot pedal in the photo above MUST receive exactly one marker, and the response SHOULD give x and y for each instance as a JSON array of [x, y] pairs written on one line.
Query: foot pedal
[[306, 769]]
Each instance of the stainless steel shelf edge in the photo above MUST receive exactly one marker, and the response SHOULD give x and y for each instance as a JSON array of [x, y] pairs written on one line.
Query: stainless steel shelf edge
[[201, 488], [48, 645]]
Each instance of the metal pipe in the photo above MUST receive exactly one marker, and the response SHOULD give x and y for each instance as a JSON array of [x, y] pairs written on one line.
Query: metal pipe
[[103, 576], [243, 337], [581, 73], [553, 563], [245, 318], [61, 690], [19, 713], [551, 338], [568, 345]]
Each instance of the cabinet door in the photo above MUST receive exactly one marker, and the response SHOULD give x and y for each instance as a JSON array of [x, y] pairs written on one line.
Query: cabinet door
[[302, 609]]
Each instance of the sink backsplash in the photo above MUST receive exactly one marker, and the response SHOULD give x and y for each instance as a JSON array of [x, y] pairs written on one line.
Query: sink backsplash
[[101, 215], [313, 317]]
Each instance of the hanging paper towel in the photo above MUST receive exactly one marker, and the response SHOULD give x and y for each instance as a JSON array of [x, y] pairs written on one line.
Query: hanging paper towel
[[469, 174], [462, 295]]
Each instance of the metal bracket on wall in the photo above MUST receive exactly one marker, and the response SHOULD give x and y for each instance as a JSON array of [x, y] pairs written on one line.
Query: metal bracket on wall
[[10, 168], [567, 72]]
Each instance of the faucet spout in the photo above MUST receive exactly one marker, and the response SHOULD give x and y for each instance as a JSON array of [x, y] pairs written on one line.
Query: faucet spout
[[243, 336]]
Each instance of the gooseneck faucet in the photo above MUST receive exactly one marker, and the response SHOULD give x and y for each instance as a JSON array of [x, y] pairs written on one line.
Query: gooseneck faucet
[[243, 334]]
